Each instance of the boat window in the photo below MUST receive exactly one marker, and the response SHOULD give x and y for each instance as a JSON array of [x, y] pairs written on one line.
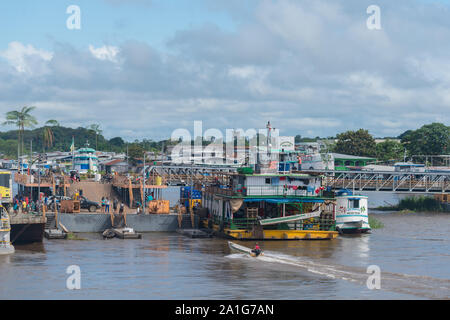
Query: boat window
[[268, 181], [4, 180], [353, 203]]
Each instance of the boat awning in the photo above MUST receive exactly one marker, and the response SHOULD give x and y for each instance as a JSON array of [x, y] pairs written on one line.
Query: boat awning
[[293, 218], [269, 200]]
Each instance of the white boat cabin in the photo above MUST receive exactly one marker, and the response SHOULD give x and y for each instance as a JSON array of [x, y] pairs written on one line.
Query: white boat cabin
[[277, 185], [352, 213]]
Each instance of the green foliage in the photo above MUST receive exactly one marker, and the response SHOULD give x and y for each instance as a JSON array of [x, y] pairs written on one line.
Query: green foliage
[[8, 148], [117, 142], [52, 123], [375, 223], [22, 119], [135, 152], [356, 143], [431, 139], [62, 139], [422, 203], [389, 150]]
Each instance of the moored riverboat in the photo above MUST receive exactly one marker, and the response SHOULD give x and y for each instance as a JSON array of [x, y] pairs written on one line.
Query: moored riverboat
[[351, 213], [270, 207], [6, 246]]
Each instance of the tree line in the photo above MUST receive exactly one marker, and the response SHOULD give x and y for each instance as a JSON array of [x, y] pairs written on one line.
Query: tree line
[[54, 137], [430, 139]]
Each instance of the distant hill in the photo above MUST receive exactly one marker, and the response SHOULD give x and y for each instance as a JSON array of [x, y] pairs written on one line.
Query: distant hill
[[63, 140]]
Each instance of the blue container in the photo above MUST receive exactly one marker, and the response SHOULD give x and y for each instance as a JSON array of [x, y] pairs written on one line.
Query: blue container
[[284, 166], [344, 192], [190, 193]]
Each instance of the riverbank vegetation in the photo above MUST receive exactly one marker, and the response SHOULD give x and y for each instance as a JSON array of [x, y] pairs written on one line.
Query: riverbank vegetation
[[416, 204], [375, 223]]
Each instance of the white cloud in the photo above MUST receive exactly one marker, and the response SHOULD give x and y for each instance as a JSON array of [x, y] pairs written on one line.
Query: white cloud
[[309, 68], [26, 58], [108, 53]]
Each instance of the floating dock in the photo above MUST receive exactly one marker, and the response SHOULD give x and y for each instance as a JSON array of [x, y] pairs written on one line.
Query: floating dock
[[52, 234], [126, 233]]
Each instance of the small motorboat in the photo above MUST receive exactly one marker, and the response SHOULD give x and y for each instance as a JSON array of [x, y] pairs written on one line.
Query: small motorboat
[[121, 233], [242, 249]]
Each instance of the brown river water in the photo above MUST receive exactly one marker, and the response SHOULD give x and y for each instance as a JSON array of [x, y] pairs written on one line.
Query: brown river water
[[412, 252]]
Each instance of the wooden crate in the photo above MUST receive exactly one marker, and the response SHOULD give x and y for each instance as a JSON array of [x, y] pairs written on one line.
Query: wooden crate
[[159, 207], [70, 206]]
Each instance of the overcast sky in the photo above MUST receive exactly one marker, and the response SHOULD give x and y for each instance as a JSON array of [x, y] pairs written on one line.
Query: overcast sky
[[142, 68]]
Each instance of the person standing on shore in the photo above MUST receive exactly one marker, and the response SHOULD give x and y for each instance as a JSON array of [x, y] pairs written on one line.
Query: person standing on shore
[[107, 203], [103, 204], [115, 203]]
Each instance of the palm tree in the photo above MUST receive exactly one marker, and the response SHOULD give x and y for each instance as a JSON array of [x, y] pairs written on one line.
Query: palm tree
[[22, 119], [96, 128], [48, 133]]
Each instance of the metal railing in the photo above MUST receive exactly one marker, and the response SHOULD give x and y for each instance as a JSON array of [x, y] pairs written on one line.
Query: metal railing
[[264, 190], [421, 182], [5, 225]]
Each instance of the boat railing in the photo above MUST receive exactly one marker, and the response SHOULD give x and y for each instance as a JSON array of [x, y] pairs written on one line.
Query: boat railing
[[320, 225], [278, 190], [5, 225], [241, 223], [264, 190]]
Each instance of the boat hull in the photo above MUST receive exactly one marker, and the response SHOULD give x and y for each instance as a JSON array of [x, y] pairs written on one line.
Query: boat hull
[[7, 250], [27, 233], [284, 235], [354, 230], [353, 227]]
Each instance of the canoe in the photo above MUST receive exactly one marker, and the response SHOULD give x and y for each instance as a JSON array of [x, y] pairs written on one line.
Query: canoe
[[242, 249]]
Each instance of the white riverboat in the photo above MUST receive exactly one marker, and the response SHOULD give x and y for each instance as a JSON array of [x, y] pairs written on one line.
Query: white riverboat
[[5, 228], [352, 213]]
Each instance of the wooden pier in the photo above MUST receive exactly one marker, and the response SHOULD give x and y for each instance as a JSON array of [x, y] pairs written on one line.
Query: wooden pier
[[412, 182], [53, 184], [132, 188], [196, 174]]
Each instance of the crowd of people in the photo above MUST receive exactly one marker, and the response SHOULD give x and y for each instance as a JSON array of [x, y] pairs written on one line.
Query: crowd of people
[[24, 204]]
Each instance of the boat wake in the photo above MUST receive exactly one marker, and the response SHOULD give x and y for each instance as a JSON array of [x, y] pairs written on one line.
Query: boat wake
[[420, 286]]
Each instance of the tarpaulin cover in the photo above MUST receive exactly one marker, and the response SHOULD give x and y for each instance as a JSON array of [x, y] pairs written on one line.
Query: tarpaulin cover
[[236, 204]]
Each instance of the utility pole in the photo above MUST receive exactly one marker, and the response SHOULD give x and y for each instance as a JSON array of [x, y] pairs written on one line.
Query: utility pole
[[145, 198], [39, 184], [30, 164]]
